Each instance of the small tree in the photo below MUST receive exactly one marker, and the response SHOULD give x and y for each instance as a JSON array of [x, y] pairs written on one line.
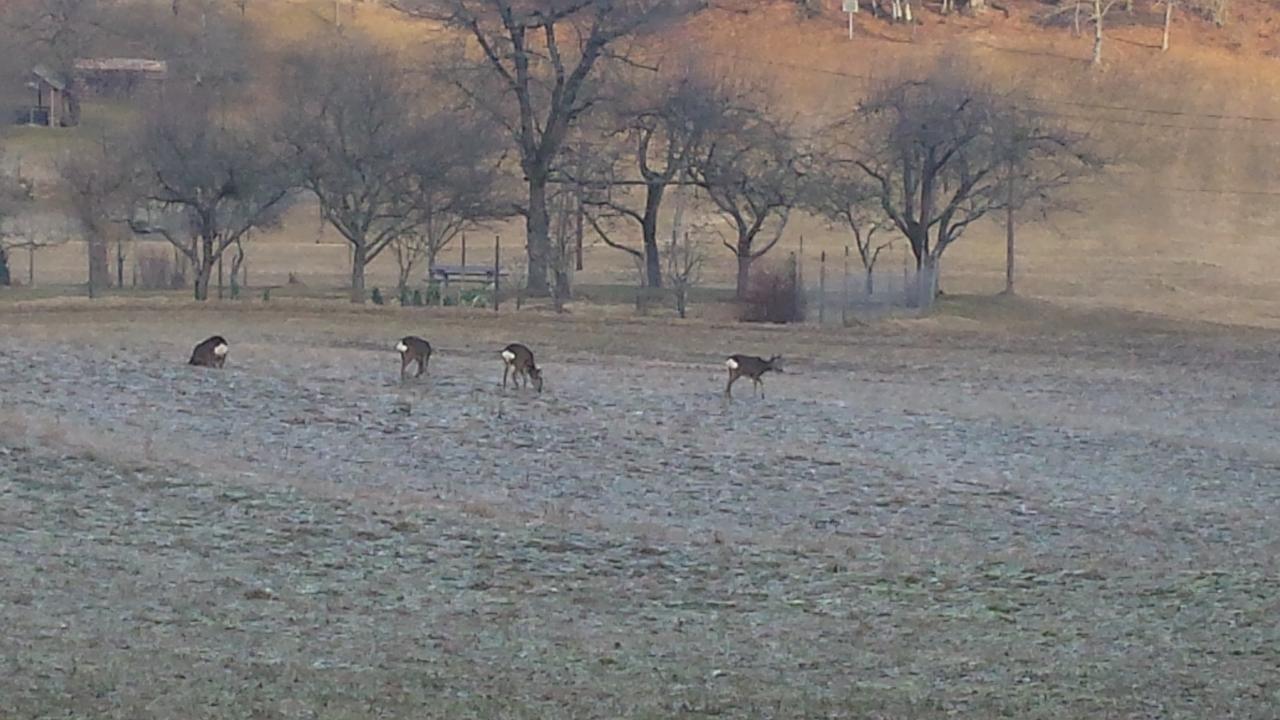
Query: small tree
[[205, 180], [838, 191], [34, 231], [662, 124], [100, 188], [751, 178], [16, 196], [351, 136], [941, 153]]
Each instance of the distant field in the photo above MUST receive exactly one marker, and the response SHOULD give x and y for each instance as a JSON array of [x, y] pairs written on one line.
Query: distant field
[[977, 515]]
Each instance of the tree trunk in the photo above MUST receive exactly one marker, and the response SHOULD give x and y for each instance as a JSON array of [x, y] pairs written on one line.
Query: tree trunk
[[869, 284], [1008, 241], [203, 275], [1008, 250], [1168, 18], [5, 280], [31, 266], [927, 282], [744, 274], [358, 261], [1097, 32], [652, 260], [119, 263], [99, 264], [538, 234]]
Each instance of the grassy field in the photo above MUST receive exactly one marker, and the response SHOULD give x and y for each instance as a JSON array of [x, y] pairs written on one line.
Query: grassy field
[[1010, 509]]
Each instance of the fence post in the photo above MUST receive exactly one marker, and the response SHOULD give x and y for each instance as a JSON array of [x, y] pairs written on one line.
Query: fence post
[[800, 264], [497, 271], [464, 251], [822, 288], [844, 291], [220, 274]]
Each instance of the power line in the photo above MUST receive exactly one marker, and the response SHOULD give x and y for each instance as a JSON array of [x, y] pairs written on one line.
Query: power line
[[1047, 101]]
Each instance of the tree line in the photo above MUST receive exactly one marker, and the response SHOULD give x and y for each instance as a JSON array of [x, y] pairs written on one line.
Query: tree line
[[552, 112]]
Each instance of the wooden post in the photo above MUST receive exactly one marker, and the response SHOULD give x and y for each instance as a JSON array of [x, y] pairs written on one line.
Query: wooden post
[[822, 288], [1008, 240], [220, 275], [31, 265], [581, 212], [799, 270], [497, 270], [844, 291], [119, 263], [464, 251]]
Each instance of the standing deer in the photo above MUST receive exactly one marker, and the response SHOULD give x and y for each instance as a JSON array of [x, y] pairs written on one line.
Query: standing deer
[[518, 361], [752, 367], [210, 353], [413, 349]]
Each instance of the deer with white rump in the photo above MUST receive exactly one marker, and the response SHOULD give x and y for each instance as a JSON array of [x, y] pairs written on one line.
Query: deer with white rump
[[517, 362], [752, 367], [210, 353], [412, 350]]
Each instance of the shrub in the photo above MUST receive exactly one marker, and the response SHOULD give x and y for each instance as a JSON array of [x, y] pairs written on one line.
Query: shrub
[[417, 298], [157, 271], [376, 297], [773, 296]]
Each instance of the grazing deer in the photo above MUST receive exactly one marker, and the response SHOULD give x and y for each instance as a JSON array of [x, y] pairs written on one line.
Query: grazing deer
[[752, 367], [210, 353], [518, 361], [413, 349]]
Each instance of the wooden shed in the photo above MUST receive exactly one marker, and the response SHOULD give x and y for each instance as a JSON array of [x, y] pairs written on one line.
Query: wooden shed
[[56, 103]]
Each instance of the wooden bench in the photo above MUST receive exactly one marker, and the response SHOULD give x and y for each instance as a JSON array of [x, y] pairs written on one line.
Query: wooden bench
[[449, 273]]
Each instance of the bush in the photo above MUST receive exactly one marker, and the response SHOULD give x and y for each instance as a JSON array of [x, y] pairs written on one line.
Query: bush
[[417, 298], [5, 280], [157, 271], [376, 297], [773, 296], [474, 297]]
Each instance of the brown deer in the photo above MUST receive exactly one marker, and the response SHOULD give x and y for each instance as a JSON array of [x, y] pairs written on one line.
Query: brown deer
[[413, 349], [518, 361], [752, 367], [210, 353]]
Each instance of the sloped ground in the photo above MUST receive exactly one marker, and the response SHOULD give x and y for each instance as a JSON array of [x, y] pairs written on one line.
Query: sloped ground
[[1041, 526]]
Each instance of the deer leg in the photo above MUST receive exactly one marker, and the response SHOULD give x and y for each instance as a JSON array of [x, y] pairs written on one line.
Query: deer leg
[[422, 366], [728, 388], [404, 365], [759, 385], [506, 370]]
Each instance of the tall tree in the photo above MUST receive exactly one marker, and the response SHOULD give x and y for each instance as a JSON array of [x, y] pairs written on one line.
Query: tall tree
[[942, 153], [99, 188], [751, 176], [206, 179], [351, 138], [539, 60], [663, 122]]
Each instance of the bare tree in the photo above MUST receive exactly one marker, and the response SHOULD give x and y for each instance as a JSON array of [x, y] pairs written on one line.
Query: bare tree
[[55, 32], [942, 153], [536, 75], [17, 195], [455, 180], [663, 122], [100, 189], [33, 231], [752, 179], [352, 132], [837, 190], [206, 179]]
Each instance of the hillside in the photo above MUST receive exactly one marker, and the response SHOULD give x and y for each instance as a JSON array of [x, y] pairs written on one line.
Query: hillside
[[1184, 224]]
